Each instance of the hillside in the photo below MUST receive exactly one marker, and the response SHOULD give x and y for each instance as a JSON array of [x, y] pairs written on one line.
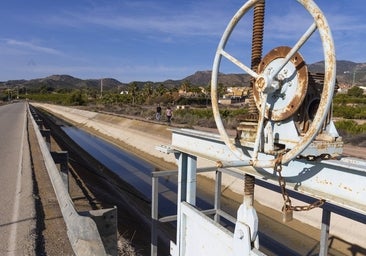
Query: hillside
[[347, 73], [63, 81]]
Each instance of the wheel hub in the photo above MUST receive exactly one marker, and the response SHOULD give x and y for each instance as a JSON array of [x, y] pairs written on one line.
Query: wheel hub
[[287, 90]]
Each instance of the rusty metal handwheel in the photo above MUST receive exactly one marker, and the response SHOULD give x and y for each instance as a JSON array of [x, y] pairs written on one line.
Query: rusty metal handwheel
[[267, 83]]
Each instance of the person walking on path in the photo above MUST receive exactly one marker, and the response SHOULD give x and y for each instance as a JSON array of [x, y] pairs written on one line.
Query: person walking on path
[[169, 114], [158, 112]]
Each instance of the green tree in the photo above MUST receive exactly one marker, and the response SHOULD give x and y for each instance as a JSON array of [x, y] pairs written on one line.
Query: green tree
[[186, 86], [196, 90], [160, 90], [221, 90], [132, 90], [76, 98], [147, 92]]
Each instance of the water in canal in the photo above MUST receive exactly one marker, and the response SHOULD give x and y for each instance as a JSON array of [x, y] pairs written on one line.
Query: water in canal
[[131, 169], [137, 172]]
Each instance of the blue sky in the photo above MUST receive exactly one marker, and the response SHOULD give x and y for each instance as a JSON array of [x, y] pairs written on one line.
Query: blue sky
[[156, 40]]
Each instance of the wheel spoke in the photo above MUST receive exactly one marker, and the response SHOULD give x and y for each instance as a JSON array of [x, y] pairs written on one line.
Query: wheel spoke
[[295, 49], [239, 63], [259, 128]]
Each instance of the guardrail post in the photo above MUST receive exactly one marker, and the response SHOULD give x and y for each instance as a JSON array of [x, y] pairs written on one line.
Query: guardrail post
[[46, 133], [106, 221], [39, 122], [62, 158]]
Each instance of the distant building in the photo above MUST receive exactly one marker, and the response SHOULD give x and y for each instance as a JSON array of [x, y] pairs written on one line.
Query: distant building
[[191, 94], [236, 93], [343, 87]]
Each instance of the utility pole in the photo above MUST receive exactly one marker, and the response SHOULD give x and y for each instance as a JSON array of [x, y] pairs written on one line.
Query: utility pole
[[101, 88], [354, 75]]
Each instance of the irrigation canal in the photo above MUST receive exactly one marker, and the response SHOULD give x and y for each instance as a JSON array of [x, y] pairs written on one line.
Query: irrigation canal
[[137, 173]]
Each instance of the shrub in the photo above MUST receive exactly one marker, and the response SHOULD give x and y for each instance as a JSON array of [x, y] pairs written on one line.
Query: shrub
[[350, 127], [350, 112], [355, 91]]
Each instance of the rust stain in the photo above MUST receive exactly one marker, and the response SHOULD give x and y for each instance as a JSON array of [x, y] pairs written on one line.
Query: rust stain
[[323, 181], [341, 186]]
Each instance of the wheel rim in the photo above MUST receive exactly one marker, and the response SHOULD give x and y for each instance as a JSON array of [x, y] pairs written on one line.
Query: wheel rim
[[320, 24]]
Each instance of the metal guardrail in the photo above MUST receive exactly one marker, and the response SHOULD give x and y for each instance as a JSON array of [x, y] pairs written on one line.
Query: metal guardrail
[[90, 233]]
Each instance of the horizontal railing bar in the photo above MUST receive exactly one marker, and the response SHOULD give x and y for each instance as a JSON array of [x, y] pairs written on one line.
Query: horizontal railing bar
[[169, 218], [354, 215]]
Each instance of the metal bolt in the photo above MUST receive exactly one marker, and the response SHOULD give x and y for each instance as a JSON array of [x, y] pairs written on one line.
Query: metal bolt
[[240, 234]]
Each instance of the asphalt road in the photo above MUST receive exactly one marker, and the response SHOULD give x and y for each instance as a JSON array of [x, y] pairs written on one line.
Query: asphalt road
[[17, 211]]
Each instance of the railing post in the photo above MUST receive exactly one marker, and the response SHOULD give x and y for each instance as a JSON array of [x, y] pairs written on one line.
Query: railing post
[[181, 194], [191, 179], [324, 233], [187, 169], [154, 215], [217, 204]]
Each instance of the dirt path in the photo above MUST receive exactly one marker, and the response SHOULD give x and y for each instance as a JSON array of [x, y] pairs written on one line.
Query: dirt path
[[354, 151]]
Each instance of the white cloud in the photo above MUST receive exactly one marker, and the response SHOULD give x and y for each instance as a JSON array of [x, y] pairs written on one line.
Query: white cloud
[[31, 47], [196, 19]]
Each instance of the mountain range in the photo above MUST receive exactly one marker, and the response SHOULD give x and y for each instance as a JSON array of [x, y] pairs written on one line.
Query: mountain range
[[348, 73]]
